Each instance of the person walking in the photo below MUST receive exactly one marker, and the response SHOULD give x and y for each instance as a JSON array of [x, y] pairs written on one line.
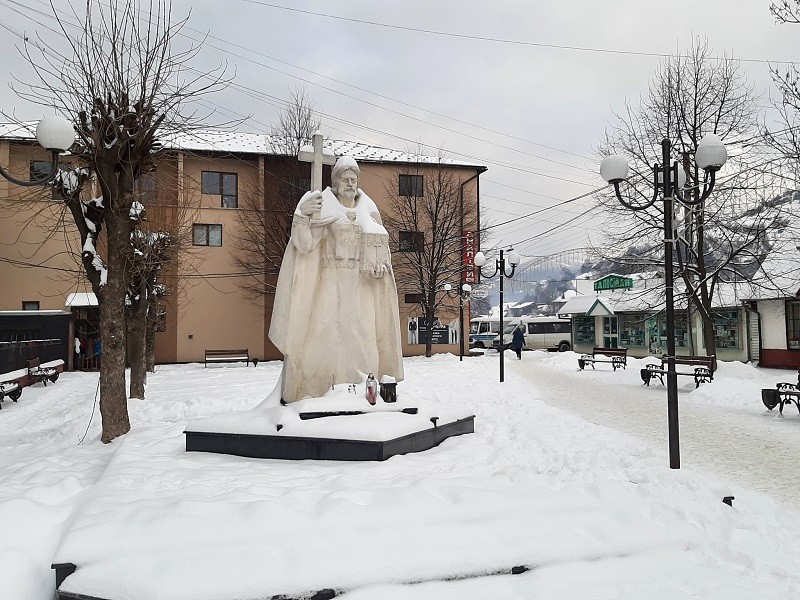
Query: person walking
[[96, 346], [84, 353], [76, 361], [518, 341]]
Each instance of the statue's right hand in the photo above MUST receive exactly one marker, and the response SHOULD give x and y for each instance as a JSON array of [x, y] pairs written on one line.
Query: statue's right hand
[[310, 203]]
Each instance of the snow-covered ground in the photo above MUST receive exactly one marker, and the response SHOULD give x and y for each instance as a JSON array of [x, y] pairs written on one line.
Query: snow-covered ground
[[583, 496]]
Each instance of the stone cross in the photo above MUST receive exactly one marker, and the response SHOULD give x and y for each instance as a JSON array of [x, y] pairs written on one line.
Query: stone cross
[[317, 157]]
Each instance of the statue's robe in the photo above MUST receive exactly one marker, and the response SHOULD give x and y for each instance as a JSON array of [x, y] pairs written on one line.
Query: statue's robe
[[333, 318]]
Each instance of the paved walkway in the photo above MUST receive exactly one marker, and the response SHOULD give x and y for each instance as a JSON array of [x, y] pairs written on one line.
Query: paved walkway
[[746, 446]]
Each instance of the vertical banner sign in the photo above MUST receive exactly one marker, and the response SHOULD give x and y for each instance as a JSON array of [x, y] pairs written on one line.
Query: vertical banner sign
[[469, 243]]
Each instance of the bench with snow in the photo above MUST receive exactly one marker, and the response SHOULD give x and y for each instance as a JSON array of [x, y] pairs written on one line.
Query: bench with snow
[[37, 373], [220, 356], [702, 369], [618, 357], [10, 389], [784, 393]]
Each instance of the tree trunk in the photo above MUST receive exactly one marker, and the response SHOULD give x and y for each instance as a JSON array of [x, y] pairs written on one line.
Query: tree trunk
[[429, 324], [703, 294], [113, 401], [708, 334], [150, 347], [137, 342]]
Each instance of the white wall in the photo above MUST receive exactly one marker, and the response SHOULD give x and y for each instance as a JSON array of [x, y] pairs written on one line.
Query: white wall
[[773, 324]]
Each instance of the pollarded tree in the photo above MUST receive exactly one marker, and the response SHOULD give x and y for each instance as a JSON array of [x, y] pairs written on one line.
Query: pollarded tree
[[723, 239], [118, 78], [426, 223], [162, 231]]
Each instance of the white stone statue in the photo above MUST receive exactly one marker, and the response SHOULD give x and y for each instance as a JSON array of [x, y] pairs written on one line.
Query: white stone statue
[[336, 315]]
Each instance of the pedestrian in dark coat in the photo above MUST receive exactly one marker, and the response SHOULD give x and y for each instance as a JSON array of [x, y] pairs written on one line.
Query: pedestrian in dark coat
[[518, 341]]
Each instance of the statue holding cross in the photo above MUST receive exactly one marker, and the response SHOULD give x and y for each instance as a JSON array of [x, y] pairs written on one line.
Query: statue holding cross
[[336, 316]]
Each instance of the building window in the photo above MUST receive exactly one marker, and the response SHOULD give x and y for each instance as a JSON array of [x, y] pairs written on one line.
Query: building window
[[144, 188], [793, 325], [681, 331], [225, 185], [206, 235], [584, 331], [411, 186], [413, 298], [43, 168], [633, 330], [726, 329], [30, 305], [411, 241]]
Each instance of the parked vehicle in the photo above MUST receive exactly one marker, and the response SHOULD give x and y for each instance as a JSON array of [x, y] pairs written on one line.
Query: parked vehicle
[[483, 330], [541, 333]]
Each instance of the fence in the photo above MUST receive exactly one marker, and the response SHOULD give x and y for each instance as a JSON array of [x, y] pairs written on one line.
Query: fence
[[14, 355]]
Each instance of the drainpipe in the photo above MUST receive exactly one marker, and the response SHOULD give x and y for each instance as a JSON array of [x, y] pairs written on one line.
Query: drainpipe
[[751, 306]]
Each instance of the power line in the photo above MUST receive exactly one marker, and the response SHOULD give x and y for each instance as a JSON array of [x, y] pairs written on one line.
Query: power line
[[249, 58], [503, 40]]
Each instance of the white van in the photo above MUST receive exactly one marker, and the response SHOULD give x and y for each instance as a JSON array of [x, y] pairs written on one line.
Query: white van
[[483, 330], [541, 333]]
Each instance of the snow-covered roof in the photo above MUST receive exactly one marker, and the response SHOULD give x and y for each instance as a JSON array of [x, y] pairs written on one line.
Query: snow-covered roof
[[259, 143], [580, 305], [79, 299], [19, 131], [216, 140], [30, 313]]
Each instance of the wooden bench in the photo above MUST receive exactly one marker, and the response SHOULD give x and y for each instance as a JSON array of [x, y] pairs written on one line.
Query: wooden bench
[[618, 357], [37, 373], [218, 356], [12, 389], [703, 368], [784, 393]]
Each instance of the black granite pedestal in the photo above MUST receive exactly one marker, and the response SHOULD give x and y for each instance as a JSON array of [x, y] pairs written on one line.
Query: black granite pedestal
[[321, 448]]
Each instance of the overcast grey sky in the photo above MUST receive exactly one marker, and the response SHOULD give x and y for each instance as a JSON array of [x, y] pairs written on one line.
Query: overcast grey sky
[[532, 111]]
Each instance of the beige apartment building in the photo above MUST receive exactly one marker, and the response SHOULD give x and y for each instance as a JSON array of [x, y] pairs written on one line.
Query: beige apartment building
[[209, 183]]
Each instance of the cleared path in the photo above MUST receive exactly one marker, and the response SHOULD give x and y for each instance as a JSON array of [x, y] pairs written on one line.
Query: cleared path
[[744, 445]]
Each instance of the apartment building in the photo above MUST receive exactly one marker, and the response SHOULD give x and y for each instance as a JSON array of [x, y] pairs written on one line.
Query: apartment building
[[215, 185]]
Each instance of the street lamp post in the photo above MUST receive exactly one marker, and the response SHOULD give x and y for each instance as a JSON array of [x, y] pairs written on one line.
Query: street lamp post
[[57, 135], [463, 294], [710, 157], [499, 267]]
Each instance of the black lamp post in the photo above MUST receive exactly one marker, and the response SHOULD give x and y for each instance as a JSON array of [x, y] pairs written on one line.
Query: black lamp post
[[57, 135], [710, 157], [463, 294], [500, 267]]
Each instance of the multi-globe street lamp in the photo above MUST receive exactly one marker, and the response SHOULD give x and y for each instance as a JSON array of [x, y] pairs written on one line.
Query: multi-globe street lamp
[[463, 294], [668, 178], [500, 267], [57, 135]]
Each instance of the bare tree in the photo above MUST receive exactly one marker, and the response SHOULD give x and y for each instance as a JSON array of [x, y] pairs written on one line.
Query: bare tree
[[426, 222], [786, 11], [265, 218], [725, 238], [785, 139], [297, 122], [125, 88]]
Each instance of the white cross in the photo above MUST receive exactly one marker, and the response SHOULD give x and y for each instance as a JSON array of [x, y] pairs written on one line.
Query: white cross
[[317, 156]]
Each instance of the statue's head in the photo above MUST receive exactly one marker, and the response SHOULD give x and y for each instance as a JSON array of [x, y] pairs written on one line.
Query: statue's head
[[344, 178]]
